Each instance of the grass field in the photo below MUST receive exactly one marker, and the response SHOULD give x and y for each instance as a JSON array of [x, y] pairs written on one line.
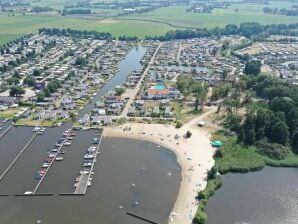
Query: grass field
[[219, 17], [153, 23]]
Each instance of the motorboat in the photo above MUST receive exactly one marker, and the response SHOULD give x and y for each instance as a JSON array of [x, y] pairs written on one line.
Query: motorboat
[[36, 129], [28, 192], [59, 158], [45, 165], [51, 155], [89, 156], [69, 138], [95, 141], [67, 143], [38, 177], [40, 133], [87, 164], [89, 184]]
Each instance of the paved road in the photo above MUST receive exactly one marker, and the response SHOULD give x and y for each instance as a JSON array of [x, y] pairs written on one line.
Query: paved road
[[136, 89]]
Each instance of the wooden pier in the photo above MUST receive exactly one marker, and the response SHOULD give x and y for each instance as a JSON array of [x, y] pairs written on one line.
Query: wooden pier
[[17, 157], [51, 163], [82, 184]]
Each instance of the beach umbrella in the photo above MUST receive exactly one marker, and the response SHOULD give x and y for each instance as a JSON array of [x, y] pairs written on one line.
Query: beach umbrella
[[216, 143]]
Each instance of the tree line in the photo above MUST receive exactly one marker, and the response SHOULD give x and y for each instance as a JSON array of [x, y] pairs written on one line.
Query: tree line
[[271, 120], [287, 12], [77, 33], [251, 30]]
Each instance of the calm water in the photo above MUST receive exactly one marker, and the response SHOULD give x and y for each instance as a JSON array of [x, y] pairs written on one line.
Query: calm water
[[121, 162], [269, 196], [130, 63], [154, 171]]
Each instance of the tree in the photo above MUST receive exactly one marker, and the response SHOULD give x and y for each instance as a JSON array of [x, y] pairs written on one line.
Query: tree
[[295, 142], [40, 96], [16, 91], [13, 81], [30, 81], [36, 72], [279, 133], [252, 67], [119, 91]]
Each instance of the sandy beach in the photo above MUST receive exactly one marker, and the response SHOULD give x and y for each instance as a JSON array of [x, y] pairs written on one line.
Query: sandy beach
[[193, 154]]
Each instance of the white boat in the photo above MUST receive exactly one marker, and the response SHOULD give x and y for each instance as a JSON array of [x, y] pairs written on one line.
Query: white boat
[[59, 158], [36, 129], [75, 185], [89, 156], [67, 143], [89, 184], [45, 165], [87, 164], [51, 155], [40, 133], [28, 192], [84, 172], [69, 138]]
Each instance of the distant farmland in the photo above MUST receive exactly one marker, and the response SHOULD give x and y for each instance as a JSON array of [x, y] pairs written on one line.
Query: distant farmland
[[152, 23]]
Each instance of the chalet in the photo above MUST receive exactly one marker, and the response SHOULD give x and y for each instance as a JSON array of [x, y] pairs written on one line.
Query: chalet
[[8, 100], [168, 112], [107, 121], [39, 115], [96, 120], [155, 94], [132, 111], [85, 119]]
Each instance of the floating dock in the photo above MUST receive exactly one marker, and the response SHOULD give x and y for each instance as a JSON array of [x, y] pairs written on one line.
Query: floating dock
[[82, 184]]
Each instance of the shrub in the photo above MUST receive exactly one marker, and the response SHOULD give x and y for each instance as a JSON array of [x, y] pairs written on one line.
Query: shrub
[[188, 134], [272, 150], [178, 124]]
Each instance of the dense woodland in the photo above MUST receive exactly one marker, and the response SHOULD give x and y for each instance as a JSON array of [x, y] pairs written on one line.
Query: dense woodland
[[254, 31], [270, 121]]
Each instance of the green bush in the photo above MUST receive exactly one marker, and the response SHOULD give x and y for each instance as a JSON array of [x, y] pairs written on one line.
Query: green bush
[[272, 150], [178, 124]]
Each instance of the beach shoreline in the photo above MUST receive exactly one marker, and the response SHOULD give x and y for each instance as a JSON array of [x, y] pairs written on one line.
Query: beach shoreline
[[194, 155]]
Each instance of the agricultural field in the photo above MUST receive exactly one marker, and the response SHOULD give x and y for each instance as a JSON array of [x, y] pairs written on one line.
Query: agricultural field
[[152, 23], [219, 17]]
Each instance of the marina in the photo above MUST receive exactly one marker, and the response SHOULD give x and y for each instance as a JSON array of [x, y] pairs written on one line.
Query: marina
[[57, 165]]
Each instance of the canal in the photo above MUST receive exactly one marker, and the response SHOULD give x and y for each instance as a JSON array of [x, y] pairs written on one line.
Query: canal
[[130, 175]]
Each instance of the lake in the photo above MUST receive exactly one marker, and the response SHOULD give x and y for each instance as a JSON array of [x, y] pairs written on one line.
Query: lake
[[130, 176], [269, 196]]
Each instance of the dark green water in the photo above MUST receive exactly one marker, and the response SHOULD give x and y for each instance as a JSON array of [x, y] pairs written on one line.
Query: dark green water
[[269, 196]]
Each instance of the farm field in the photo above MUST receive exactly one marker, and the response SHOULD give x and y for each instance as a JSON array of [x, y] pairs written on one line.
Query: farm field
[[152, 23], [219, 17]]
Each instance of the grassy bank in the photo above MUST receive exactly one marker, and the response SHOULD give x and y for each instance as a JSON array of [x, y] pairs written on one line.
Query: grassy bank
[[233, 157]]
